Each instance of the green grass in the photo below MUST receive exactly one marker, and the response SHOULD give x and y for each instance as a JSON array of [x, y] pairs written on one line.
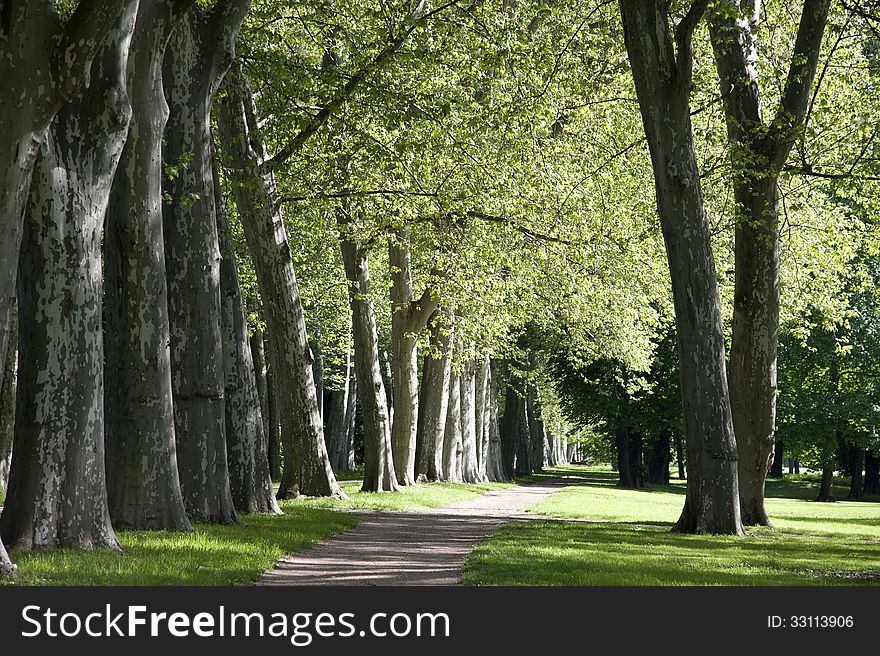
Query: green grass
[[226, 555], [213, 555], [625, 540], [428, 495]]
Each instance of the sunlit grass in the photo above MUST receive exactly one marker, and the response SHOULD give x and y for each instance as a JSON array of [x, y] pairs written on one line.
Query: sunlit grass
[[628, 541], [427, 495]]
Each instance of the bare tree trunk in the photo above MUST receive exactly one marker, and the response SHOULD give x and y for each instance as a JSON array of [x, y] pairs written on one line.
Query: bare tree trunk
[[246, 443], [346, 450], [537, 432], [142, 480], [434, 400], [482, 412], [318, 373], [452, 432], [495, 470], [857, 466], [258, 357], [58, 483], [199, 53], [469, 465], [306, 464], [7, 400], [662, 69], [872, 473], [340, 419], [44, 64], [511, 425], [274, 434], [826, 489]]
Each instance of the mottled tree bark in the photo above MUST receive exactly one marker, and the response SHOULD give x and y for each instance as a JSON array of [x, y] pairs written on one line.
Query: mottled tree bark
[[511, 425], [662, 65], [495, 470], [199, 53], [434, 400], [58, 486], [307, 468], [142, 480], [258, 357], [758, 152], [274, 427], [451, 469], [482, 411], [7, 399], [44, 64], [408, 318], [246, 443], [468, 386], [379, 473], [537, 432]]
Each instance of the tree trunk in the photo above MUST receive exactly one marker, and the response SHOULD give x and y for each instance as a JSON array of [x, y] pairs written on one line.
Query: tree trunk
[[468, 419], [258, 357], [621, 442], [757, 152], [142, 479], [306, 464], [246, 443], [318, 374], [347, 447], [450, 472], [378, 463], [778, 457], [679, 456], [636, 457], [537, 432], [511, 424], [273, 437], [663, 80], [659, 469], [872, 473], [826, 491], [482, 411], [199, 52], [857, 466], [7, 400], [44, 63], [495, 470], [434, 400], [58, 483]]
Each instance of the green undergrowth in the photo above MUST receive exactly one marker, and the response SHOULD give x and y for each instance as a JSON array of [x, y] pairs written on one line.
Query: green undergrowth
[[624, 538]]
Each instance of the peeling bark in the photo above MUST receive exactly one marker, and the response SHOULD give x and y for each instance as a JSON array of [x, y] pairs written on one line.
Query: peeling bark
[[7, 399], [379, 473], [142, 480], [468, 385], [258, 357], [434, 401], [757, 152], [199, 53], [246, 443], [307, 468], [662, 66], [451, 471], [482, 411], [59, 494], [43, 66]]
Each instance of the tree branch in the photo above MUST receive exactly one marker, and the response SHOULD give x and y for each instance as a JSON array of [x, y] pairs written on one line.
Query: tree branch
[[684, 43]]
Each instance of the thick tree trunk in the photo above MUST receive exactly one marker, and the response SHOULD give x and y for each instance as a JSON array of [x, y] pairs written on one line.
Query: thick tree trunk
[[872, 473], [511, 425], [306, 464], [636, 457], [621, 443], [758, 151], [482, 411], [434, 401], [318, 373], [379, 473], [347, 446], [451, 470], [662, 70], [659, 470], [468, 409], [826, 490], [778, 457], [7, 400], [44, 64], [58, 485], [246, 443], [142, 478], [537, 432], [857, 465], [495, 470]]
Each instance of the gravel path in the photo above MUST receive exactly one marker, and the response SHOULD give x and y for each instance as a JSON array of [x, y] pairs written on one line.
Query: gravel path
[[425, 546]]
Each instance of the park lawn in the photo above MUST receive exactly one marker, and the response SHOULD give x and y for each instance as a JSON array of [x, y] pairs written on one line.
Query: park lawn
[[424, 495], [623, 538], [226, 555]]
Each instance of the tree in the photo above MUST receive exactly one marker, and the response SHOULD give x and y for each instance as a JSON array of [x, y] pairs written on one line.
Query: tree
[[58, 478], [661, 59], [758, 151], [142, 479]]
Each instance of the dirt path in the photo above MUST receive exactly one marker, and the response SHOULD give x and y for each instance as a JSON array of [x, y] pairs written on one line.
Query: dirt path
[[425, 546]]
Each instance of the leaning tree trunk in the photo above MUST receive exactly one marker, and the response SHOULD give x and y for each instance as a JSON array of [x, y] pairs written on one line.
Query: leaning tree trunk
[[246, 443], [452, 432], [378, 462], [199, 53], [408, 319], [467, 391], [758, 152], [434, 400], [307, 468], [7, 400], [142, 482], [662, 69], [44, 64], [59, 493]]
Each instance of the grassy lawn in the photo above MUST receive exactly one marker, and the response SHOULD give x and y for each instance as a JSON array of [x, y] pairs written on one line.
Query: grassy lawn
[[628, 540], [226, 555]]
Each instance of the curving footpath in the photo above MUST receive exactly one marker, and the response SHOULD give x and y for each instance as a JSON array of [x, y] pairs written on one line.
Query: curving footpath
[[424, 546]]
